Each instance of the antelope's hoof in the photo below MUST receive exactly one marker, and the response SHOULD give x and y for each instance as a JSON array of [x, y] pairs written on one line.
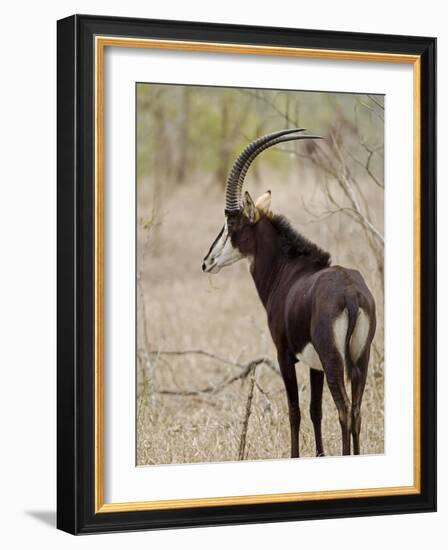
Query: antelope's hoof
[[320, 454]]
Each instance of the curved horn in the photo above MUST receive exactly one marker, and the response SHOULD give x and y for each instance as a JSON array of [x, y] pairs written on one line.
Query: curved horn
[[233, 189], [264, 146]]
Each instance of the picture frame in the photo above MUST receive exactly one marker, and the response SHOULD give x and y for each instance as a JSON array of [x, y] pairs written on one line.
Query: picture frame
[[82, 41]]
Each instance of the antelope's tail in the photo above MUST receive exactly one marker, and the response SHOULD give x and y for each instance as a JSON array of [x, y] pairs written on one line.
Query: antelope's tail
[[352, 310]]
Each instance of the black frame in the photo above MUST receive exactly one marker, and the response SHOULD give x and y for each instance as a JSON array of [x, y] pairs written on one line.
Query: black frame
[[75, 310]]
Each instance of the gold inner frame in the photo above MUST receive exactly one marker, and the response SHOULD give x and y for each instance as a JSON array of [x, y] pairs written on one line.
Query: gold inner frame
[[101, 42]]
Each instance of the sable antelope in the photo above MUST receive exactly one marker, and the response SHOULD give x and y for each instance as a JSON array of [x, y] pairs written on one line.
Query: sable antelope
[[321, 315]]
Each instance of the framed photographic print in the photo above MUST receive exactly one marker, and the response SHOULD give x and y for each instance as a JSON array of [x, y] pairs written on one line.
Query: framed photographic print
[[246, 274]]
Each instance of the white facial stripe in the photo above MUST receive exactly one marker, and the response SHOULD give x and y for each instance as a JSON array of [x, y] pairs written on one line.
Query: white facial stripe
[[222, 254], [219, 246], [228, 255]]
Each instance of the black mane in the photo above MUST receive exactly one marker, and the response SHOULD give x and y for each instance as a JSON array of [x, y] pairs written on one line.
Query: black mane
[[293, 244]]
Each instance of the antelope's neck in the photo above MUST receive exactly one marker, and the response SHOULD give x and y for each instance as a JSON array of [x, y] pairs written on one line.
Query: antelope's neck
[[272, 271], [267, 265]]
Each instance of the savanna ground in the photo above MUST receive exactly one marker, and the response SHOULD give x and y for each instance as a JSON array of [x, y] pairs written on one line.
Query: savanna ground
[[198, 399]]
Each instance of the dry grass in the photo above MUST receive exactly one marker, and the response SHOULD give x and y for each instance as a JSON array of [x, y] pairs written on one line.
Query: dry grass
[[186, 309]]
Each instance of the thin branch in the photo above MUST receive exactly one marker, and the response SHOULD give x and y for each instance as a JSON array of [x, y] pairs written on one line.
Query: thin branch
[[247, 412], [366, 166], [372, 98], [263, 98], [327, 214], [346, 183], [199, 352], [373, 111], [216, 388], [148, 364]]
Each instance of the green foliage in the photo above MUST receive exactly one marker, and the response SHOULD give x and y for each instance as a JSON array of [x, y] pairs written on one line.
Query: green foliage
[[185, 130]]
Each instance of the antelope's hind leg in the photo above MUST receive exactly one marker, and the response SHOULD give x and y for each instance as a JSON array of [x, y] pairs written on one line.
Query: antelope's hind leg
[[358, 384], [333, 365], [317, 385], [334, 370]]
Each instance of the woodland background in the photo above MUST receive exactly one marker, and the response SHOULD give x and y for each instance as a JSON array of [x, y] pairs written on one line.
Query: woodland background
[[208, 383]]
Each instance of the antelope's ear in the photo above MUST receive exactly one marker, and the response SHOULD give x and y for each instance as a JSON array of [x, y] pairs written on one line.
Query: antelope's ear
[[249, 208], [263, 203]]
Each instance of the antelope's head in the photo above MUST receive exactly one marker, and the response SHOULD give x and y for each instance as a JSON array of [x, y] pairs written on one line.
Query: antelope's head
[[237, 238]]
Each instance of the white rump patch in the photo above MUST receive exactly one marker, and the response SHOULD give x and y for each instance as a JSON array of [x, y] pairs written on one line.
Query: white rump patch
[[309, 357], [360, 334], [340, 327]]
